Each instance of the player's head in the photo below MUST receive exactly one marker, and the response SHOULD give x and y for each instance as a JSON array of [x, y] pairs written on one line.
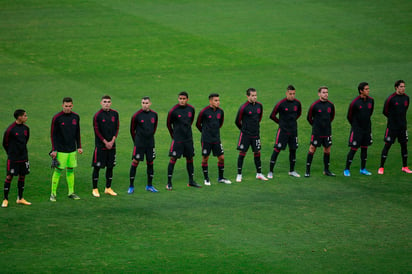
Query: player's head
[[67, 104], [146, 103], [251, 95], [106, 102], [214, 100], [183, 97], [363, 89], [323, 93], [400, 87], [20, 115], [290, 93]]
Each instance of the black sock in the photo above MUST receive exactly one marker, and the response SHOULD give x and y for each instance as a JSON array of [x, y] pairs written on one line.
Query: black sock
[[258, 163], [349, 158], [109, 175], [364, 157], [292, 159], [404, 152], [132, 173], [384, 154], [150, 173], [95, 177], [273, 159]]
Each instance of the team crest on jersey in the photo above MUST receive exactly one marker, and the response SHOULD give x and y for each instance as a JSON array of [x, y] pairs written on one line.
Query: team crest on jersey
[[113, 119], [295, 108], [406, 103], [329, 110], [258, 111], [189, 114], [74, 122], [369, 105], [218, 116], [152, 120], [25, 133]]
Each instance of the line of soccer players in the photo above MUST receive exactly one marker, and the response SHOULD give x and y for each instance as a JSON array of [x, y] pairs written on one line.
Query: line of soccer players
[[66, 141]]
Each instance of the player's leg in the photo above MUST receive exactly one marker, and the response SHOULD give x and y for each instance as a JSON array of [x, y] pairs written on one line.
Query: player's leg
[[309, 158], [20, 189], [326, 160], [293, 145], [95, 180], [205, 169], [6, 189], [255, 144]]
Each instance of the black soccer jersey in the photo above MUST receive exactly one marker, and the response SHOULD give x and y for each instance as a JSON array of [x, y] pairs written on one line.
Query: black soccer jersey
[[248, 118], [15, 141], [320, 116], [65, 132], [143, 126], [179, 122], [289, 112], [360, 112], [106, 126], [395, 109], [209, 122]]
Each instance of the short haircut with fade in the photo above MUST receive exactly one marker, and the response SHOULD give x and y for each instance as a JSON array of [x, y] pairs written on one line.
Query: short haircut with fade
[[18, 113], [212, 95], [362, 86], [249, 90], [184, 93], [67, 100], [397, 83]]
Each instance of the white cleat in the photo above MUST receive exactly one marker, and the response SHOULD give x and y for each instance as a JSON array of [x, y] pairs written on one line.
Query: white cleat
[[260, 176], [207, 182], [270, 175], [239, 178], [224, 181], [294, 174]]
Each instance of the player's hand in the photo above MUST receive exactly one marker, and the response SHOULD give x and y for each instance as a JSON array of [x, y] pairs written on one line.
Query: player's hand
[[80, 150], [53, 154]]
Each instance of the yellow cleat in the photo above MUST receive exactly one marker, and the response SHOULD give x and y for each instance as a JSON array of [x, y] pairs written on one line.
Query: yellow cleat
[[110, 191], [5, 203], [95, 193], [22, 201]]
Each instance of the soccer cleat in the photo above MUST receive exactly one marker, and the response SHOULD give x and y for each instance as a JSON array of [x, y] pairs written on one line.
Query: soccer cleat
[[207, 182], [194, 184], [5, 203], [130, 190], [52, 198], [406, 169], [109, 191], [270, 175], [23, 201], [224, 181], [151, 189], [294, 174], [239, 178], [381, 170], [169, 186], [95, 193], [346, 172], [329, 173], [72, 196], [260, 176], [366, 172], [307, 175]]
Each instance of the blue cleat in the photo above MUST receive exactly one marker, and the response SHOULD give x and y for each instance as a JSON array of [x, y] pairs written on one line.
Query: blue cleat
[[346, 172], [365, 172], [151, 189], [130, 190]]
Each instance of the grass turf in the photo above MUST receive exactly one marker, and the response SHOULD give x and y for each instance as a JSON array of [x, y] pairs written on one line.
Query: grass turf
[[85, 49]]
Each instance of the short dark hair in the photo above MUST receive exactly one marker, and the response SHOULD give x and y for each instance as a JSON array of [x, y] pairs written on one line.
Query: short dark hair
[[362, 86], [249, 90], [67, 100], [184, 93], [212, 95], [18, 113], [106, 97], [290, 87], [322, 87], [146, 98], [397, 83]]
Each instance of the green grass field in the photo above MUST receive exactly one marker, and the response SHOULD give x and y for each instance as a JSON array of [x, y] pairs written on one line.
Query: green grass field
[[83, 48]]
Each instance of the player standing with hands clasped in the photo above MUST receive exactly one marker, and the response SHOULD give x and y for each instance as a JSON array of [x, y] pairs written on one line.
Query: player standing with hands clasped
[[395, 109], [65, 139], [179, 123], [15, 141], [320, 115], [289, 110], [106, 129], [209, 122], [143, 126], [248, 122], [359, 116]]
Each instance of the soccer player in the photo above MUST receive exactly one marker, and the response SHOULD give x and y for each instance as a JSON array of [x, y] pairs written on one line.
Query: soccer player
[[15, 141], [65, 139], [209, 122], [248, 121], [179, 123], [289, 110], [106, 129], [320, 115], [395, 109], [143, 126], [359, 116]]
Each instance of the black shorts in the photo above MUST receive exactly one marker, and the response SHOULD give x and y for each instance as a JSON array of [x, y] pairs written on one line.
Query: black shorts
[[358, 139], [104, 158], [140, 152], [18, 167], [177, 149], [245, 141], [317, 141], [391, 135], [216, 148], [284, 138]]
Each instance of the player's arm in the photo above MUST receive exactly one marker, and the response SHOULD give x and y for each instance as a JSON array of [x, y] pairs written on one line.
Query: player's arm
[[6, 140], [199, 120], [386, 106], [96, 127], [261, 113], [309, 117], [299, 109], [275, 111], [350, 113], [133, 127], [332, 113], [169, 123], [238, 120], [155, 125], [222, 118], [78, 139]]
